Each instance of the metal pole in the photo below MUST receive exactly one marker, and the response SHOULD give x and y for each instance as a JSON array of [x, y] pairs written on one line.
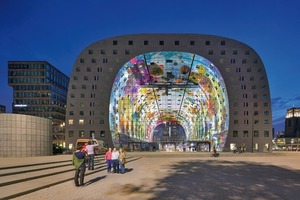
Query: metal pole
[[252, 131]]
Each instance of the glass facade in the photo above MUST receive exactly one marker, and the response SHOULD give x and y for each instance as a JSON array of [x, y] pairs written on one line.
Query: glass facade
[[39, 89]]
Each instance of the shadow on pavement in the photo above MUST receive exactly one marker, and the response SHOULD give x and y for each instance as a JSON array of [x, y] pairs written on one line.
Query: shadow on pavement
[[94, 180], [218, 179]]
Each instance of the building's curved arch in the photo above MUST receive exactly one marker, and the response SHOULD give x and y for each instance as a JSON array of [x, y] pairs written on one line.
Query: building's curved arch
[[95, 69], [176, 85]]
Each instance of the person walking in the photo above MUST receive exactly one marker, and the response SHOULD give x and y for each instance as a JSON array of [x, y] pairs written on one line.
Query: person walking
[[79, 164], [91, 154], [108, 161], [115, 160], [122, 160]]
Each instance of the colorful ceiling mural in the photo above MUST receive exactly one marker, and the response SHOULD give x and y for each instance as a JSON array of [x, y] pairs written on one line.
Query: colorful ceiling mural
[[169, 87]]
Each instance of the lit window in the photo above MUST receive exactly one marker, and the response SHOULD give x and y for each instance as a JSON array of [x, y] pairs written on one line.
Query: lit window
[[81, 122], [71, 121]]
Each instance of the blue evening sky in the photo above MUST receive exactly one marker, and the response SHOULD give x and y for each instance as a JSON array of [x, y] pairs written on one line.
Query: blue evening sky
[[58, 30]]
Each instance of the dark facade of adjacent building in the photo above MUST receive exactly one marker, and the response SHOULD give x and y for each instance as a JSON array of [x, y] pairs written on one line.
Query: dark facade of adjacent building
[[39, 89], [2, 109], [292, 123]]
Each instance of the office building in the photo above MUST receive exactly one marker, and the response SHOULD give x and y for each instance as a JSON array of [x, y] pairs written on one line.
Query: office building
[[39, 89]]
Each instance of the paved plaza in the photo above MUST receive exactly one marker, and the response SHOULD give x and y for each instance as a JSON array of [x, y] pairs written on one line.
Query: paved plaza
[[190, 176]]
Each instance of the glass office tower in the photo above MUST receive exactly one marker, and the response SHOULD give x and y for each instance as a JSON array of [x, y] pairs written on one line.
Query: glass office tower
[[39, 89]]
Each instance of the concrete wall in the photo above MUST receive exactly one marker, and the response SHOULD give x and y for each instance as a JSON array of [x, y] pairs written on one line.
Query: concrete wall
[[25, 136]]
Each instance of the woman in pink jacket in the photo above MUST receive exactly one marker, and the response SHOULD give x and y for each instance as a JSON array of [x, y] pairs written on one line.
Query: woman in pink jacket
[[108, 160]]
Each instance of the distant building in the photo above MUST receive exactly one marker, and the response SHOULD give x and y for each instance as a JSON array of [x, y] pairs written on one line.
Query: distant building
[[292, 123], [2, 109], [39, 89]]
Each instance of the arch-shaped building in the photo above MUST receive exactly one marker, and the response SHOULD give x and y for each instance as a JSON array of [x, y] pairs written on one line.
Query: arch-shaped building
[[170, 89]]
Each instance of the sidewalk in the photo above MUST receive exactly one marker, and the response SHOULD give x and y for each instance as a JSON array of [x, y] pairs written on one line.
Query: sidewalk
[[157, 175]]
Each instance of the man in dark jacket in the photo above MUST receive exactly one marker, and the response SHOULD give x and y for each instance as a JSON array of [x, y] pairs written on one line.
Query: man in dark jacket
[[79, 164]]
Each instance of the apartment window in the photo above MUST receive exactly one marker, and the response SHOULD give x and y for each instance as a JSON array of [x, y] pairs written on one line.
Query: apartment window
[[104, 60], [235, 113], [210, 52], [130, 42], [254, 96], [146, 42], [81, 133], [81, 104], [223, 43], [266, 113], [83, 86], [246, 104], [253, 87], [81, 60], [71, 121], [266, 104], [92, 134], [99, 69], [241, 78], [266, 121], [161, 42], [102, 134], [256, 121], [247, 52], [255, 113], [192, 43], [75, 78], [88, 69], [82, 95], [244, 61], [255, 104], [207, 43], [71, 112], [81, 121], [176, 43], [256, 134], [236, 121], [222, 52], [101, 121], [245, 133], [91, 51], [266, 134], [255, 61], [235, 133], [71, 133], [232, 60], [238, 69], [77, 69], [73, 87], [127, 52], [251, 78], [72, 95], [85, 78], [115, 42], [249, 69], [235, 52], [115, 52], [102, 52], [81, 113], [93, 60]]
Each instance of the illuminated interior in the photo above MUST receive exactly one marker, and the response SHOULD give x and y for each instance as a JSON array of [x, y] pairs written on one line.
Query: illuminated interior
[[160, 90]]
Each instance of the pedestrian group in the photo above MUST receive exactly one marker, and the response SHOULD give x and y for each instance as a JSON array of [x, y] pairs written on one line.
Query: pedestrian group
[[85, 155]]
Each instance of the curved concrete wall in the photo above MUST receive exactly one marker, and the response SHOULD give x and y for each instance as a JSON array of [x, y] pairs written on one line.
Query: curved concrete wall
[[25, 136]]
